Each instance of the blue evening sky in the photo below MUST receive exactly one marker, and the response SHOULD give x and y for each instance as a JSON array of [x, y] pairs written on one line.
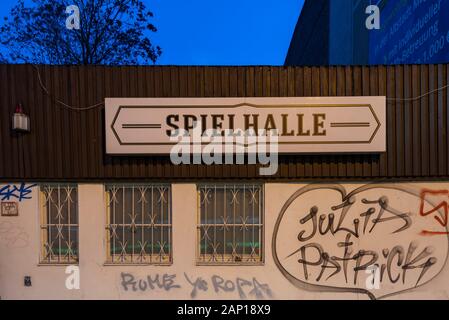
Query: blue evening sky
[[219, 32]]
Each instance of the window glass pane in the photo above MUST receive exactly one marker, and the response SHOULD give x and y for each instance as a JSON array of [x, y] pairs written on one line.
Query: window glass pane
[[59, 223], [139, 226], [230, 229]]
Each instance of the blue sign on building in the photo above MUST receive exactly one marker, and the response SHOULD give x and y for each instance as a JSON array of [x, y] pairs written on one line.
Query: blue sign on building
[[412, 32]]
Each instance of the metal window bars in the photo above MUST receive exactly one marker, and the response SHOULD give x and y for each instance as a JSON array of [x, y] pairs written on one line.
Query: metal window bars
[[139, 227], [59, 223], [230, 224]]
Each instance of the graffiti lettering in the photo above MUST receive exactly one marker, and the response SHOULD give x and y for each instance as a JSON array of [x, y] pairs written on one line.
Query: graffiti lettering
[[166, 282], [374, 226], [354, 226], [394, 261], [196, 285], [443, 205], [21, 192], [245, 288], [260, 291]]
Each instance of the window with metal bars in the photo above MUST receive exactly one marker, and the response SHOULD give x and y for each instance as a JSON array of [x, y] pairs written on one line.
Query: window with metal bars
[[139, 224], [59, 223], [230, 224]]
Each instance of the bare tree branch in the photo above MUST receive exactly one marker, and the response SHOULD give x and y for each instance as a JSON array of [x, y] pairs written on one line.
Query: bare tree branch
[[111, 32]]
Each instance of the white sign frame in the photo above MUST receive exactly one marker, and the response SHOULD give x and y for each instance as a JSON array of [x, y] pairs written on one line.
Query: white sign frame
[[351, 124]]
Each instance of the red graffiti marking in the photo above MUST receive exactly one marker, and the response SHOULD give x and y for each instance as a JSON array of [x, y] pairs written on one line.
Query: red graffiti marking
[[442, 205]]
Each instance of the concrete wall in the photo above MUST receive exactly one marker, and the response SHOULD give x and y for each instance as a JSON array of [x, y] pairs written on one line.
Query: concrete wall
[[408, 236]]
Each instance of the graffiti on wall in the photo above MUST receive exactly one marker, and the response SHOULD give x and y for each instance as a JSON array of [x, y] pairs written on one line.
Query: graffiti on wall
[[20, 192], [340, 235], [438, 211], [244, 288]]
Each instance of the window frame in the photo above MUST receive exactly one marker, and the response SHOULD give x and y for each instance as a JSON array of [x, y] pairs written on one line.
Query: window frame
[[44, 225], [261, 224], [129, 258]]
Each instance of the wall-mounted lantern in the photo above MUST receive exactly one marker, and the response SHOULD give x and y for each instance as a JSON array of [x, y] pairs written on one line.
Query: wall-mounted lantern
[[20, 121]]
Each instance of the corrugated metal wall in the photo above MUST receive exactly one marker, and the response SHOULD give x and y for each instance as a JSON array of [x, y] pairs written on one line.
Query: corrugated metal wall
[[68, 145]]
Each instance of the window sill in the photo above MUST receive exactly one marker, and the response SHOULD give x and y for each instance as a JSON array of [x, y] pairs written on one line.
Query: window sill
[[57, 264], [128, 264], [230, 264]]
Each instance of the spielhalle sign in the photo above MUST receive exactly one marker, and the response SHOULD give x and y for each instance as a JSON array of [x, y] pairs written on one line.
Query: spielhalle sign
[[303, 125]]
